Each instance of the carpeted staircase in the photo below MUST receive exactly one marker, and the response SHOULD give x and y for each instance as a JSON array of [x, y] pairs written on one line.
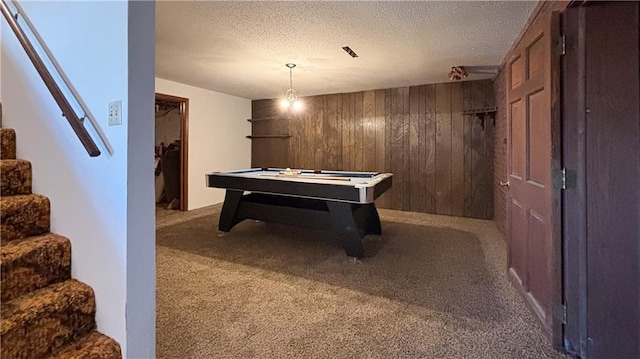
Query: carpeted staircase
[[45, 313]]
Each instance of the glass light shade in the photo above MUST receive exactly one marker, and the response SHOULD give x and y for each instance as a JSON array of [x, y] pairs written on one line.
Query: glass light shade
[[291, 100]]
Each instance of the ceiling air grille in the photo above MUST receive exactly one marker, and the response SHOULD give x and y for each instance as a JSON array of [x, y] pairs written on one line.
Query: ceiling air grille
[[349, 51]]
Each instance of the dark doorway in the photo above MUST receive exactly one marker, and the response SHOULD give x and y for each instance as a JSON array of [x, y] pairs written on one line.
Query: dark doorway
[[601, 152], [171, 148]]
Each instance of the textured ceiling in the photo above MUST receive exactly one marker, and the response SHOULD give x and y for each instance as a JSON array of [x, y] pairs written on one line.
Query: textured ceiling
[[241, 48]]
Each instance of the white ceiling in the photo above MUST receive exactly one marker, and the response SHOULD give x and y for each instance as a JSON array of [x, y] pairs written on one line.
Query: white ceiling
[[241, 48]]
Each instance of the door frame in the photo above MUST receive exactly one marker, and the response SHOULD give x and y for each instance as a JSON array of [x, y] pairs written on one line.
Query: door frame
[[557, 299], [574, 200], [184, 145]]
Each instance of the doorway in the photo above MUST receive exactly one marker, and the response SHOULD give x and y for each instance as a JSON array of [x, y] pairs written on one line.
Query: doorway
[[601, 154], [171, 151]]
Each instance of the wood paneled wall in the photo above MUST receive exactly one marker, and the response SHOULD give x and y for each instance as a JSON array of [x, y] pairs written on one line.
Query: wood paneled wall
[[442, 160]]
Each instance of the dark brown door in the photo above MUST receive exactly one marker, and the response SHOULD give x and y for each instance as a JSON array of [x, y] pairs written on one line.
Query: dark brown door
[[530, 200], [602, 143]]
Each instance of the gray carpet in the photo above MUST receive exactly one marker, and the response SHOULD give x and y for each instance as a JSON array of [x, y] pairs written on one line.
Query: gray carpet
[[430, 287]]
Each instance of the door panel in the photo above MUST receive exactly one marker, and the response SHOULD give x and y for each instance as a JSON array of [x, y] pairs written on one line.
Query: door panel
[[538, 130], [518, 135], [530, 230], [538, 257], [536, 58], [517, 248], [516, 72]]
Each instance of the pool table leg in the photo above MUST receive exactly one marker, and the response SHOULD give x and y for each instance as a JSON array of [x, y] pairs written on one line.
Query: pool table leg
[[372, 220], [343, 222], [228, 214]]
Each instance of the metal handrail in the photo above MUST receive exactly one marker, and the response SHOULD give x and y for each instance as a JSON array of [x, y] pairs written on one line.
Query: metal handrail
[[54, 89]]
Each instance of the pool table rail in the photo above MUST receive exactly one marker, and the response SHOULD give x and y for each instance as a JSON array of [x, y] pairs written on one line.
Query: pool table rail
[[343, 191]]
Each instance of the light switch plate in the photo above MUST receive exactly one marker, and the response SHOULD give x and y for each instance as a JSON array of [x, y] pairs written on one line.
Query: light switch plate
[[115, 113]]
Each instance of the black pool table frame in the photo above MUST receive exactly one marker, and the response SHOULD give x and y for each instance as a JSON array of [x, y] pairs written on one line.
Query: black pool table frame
[[345, 209]]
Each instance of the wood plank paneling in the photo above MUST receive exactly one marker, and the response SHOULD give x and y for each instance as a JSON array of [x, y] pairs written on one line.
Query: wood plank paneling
[[348, 138], [358, 131], [381, 130], [316, 130], [369, 131], [467, 90], [397, 150], [457, 150], [406, 168], [332, 133], [430, 148], [440, 158], [479, 174], [421, 159], [416, 146], [443, 148], [297, 140]]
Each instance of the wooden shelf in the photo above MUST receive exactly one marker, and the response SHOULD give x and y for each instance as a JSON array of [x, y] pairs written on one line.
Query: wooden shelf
[[477, 111], [487, 111], [267, 119], [269, 136]]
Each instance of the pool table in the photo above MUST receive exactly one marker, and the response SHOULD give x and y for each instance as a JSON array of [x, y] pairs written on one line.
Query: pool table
[[329, 200]]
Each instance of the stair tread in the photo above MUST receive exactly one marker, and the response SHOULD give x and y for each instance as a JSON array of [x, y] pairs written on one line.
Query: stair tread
[[11, 161], [46, 300], [24, 215], [7, 143], [94, 345], [19, 247], [19, 200], [14, 172], [20, 197], [32, 263]]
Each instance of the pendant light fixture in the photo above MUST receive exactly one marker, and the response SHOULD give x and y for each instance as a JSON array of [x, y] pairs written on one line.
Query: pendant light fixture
[[291, 100]]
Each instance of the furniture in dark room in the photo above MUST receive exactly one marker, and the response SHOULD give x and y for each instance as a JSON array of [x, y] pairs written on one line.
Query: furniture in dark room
[[170, 163]]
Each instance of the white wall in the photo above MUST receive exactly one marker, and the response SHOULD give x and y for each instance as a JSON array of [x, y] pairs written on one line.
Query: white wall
[[141, 229], [217, 129], [94, 201], [1, 30]]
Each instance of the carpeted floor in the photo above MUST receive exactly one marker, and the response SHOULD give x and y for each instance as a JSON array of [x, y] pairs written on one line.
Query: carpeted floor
[[430, 287]]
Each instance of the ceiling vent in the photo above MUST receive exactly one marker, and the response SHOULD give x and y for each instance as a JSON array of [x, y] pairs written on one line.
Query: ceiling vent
[[349, 51]]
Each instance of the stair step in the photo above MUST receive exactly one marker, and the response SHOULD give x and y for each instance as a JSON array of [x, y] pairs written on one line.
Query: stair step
[[23, 216], [94, 345], [38, 323], [32, 263], [7, 143], [15, 177]]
